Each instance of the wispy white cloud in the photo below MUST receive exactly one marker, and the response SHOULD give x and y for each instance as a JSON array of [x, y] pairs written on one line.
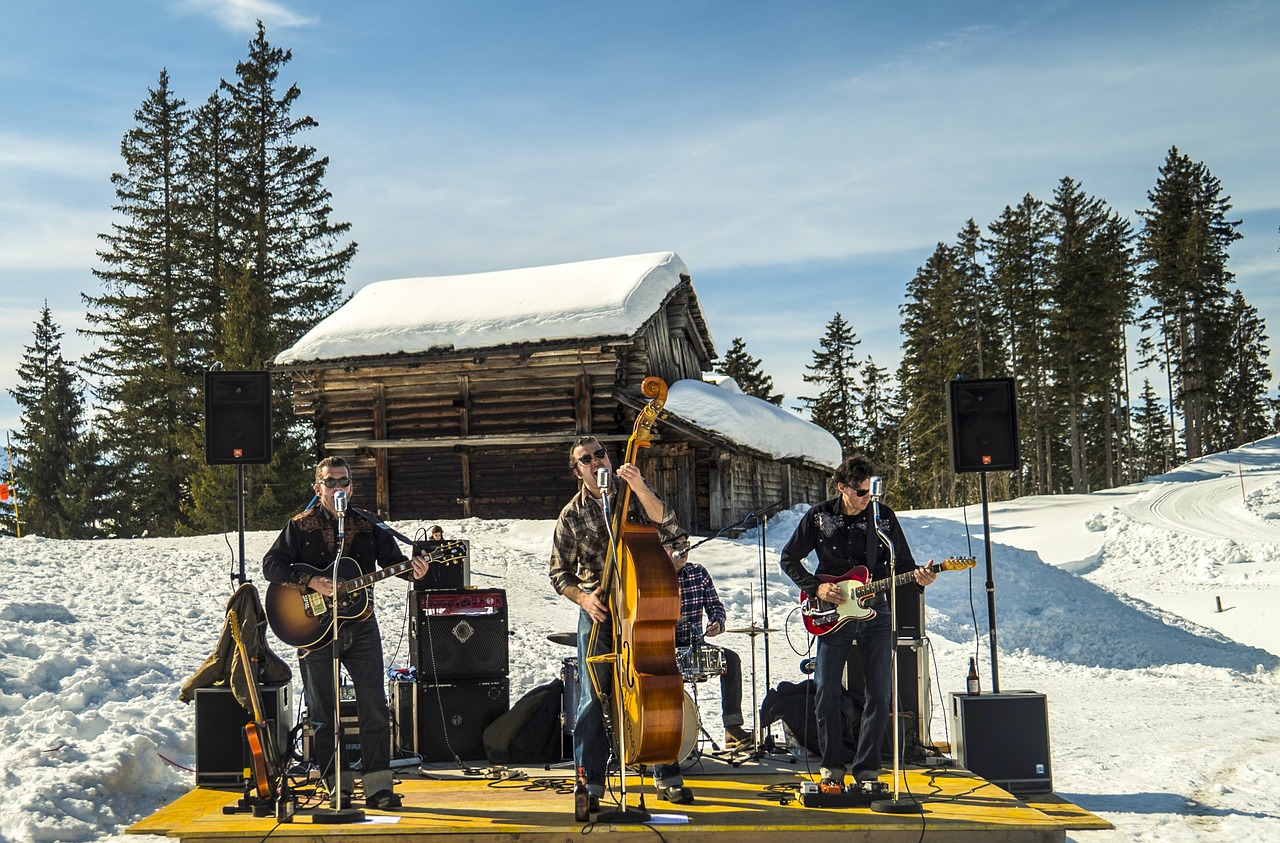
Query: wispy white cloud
[[243, 15]]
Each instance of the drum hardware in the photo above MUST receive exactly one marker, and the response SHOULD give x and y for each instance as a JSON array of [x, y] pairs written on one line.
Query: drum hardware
[[568, 639]]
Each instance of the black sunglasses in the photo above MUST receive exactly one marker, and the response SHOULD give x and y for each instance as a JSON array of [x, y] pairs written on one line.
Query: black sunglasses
[[330, 482], [862, 493], [600, 454]]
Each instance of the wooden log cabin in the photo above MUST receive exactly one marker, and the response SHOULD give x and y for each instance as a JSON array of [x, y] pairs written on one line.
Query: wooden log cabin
[[460, 396]]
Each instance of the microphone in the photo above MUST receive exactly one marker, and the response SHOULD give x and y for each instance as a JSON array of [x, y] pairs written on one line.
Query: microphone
[[339, 501], [877, 488], [602, 479]]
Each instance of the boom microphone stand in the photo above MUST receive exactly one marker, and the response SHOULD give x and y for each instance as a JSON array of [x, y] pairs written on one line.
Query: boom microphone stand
[[337, 814], [896, 805]]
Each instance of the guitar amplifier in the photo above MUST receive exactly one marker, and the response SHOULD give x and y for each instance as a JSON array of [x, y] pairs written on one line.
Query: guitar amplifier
[[220, 719], [439, 722], [453, 574], [459, 634]]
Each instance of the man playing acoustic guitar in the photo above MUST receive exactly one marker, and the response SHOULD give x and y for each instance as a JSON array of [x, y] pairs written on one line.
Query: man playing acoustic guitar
[[310, 542], [841, 532]]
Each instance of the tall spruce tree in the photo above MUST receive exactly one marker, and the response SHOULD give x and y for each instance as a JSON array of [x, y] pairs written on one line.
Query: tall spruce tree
[[1018, 253], [1243, 412], [285, 269], [1183, 248], [834, 371], [1153, 450], [880, 421], [146, 322], [746, 371], [46, 456]]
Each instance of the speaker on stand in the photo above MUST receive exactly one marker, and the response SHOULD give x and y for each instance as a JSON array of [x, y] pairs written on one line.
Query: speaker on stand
[[984, 437], [237, 429]]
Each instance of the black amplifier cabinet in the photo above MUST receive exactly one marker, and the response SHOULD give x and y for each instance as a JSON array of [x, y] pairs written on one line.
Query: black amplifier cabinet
[[439, 722], [220, 720], [913, 688], [452, 573], [459, 634], [1004, 738]]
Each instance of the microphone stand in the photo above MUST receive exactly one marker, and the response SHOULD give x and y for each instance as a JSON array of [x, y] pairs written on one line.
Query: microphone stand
[[896, 805], [336, 813]]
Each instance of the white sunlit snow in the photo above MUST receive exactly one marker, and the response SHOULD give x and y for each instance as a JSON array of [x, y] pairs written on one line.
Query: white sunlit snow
[[1163, 710]]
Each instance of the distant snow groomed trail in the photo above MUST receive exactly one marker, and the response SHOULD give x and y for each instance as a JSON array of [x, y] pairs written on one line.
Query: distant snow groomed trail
[[1213, 508]]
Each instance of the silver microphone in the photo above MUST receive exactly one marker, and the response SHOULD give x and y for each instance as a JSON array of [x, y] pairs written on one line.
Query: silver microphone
[[877, 487], [602, 479], [339, 501]]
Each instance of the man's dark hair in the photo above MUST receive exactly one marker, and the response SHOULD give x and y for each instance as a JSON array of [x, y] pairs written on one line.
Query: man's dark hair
[[582, 440], [330, 462], [854, 470]]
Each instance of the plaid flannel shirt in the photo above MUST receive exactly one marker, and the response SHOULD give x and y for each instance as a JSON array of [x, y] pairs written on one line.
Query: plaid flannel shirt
[[580, 543], [697, 595]]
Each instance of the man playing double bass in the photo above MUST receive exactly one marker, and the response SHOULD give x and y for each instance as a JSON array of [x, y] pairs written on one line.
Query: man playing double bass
[[580, 548]]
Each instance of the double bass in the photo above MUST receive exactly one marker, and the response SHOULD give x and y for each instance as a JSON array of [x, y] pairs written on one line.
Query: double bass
[[643, 594]]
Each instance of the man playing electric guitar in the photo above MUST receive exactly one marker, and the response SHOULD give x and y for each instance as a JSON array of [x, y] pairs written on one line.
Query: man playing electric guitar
[[309, 542], [841, 533]]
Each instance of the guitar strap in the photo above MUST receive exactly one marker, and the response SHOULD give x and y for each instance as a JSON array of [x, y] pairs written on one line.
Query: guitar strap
[[378, 522]]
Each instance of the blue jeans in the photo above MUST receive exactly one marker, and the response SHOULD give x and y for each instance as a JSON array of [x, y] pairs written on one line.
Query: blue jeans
[[873, 639], [590, 743], [360, 652]]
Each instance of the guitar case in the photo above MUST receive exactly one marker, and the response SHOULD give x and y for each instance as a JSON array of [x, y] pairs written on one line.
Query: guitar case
[[223, 662]]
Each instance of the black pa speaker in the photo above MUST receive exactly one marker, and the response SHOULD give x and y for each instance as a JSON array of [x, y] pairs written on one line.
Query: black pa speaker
[[1004, 738], [459, 634], [237, 418], [913, 690], [984, 425], [220, 720], [447, 720]]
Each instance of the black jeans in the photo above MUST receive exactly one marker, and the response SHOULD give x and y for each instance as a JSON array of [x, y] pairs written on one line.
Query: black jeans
[[833, 654], [360, 652]]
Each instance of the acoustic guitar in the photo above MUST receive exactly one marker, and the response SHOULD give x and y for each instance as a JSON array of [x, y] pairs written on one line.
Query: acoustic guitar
[[258, 733], [821, 616], [303, 617]]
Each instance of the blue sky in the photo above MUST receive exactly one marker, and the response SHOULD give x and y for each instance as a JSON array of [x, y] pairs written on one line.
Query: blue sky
[[802, 158]]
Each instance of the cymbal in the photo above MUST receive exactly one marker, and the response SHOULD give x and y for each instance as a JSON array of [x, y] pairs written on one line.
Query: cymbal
[[753, 630], [569, 639]]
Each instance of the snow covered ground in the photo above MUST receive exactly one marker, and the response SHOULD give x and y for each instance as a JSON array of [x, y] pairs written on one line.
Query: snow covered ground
[[1163, 710]]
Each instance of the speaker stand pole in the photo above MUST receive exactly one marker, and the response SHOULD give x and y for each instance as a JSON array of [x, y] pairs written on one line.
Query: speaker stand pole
[[991, 586], [240, 578]]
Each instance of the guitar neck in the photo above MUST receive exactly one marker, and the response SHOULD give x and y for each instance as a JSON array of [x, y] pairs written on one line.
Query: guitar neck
[[885, 584], [444, 553], [251, 680]]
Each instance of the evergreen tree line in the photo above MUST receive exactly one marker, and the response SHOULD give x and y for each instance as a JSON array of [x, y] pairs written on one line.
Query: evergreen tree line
[[223, 253], [1052, 294]]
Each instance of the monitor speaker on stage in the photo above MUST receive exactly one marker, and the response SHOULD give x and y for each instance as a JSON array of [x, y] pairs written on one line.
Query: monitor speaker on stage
[[237, 418], [459, 634], [984, 425], [442, 721], [1004, 738], [220, 720]]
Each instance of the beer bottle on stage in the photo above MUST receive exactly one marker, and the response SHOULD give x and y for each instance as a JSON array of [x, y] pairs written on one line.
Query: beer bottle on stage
[[581, 798], [972, 682]]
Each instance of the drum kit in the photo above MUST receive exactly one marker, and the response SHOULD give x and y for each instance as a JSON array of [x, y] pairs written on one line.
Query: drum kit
[[696, 664]]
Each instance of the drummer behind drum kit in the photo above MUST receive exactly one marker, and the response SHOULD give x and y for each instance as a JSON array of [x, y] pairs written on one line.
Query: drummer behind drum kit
[[696, 664]]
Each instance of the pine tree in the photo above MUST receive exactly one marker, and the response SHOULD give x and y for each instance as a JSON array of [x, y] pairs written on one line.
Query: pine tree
[[147, 323], [1183, 247], [834, 371], [1243, 412], [745, 370], [52, 406], [1019, 253], [1151, 431], [880, 420]]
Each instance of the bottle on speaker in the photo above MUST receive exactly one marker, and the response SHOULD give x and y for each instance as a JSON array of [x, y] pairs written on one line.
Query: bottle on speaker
[[971, 684], [581, 798]]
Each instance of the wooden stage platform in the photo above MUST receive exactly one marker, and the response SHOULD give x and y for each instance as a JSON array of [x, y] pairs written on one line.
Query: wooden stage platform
[[757, 801]]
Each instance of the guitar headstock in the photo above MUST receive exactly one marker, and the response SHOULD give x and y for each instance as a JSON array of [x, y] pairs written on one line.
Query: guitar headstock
[[956, 563], [448, 553]]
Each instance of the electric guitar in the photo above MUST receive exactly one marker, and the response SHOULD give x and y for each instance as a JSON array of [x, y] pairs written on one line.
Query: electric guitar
[[258, 733], [303, 617], [821, 617]]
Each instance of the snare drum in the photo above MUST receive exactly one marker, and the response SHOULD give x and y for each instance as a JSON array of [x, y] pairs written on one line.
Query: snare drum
[[698, 664], [569, 698]]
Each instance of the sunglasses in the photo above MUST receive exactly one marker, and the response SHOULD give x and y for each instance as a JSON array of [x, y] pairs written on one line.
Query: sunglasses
[[601, 455], [862, 493], [330, 482]]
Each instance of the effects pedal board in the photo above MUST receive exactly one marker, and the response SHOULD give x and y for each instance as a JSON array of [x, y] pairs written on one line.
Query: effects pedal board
[[859, 795]]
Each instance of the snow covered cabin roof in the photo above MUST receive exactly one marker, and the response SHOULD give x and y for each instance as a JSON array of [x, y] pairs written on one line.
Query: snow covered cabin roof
[[597, 298], [723, 409]]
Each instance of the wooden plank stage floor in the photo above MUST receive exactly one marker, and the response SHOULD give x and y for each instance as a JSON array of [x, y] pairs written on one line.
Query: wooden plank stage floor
[[755, 802]]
